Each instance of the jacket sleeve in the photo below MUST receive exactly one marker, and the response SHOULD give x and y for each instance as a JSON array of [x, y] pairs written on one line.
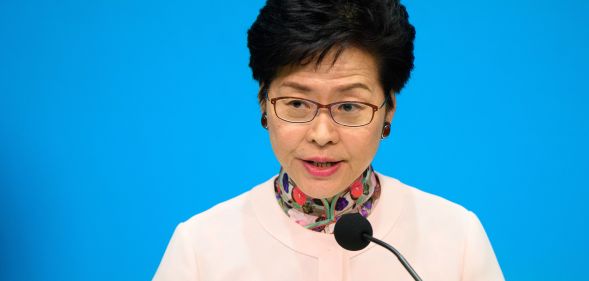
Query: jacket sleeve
[[480, 263], [179, 262]]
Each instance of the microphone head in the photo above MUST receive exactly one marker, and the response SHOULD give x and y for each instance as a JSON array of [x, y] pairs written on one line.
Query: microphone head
[[349, 231]]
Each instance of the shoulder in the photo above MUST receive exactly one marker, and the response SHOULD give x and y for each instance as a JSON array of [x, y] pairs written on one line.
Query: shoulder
[[201, 242], [429, 227], [444, 229], [418, 196], [227, 216], [427, 209]]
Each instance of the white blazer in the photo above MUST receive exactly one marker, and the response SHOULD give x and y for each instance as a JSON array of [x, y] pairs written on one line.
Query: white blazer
[[250, 238]]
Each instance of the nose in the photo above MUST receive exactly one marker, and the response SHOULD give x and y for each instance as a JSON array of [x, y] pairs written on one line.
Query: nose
[[322, 129]]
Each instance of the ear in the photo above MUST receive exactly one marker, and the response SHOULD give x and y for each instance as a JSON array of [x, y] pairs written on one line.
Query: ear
[[391, 111]]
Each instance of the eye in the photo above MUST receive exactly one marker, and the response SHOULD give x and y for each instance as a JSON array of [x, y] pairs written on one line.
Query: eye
[[298, 103], [349, 107]]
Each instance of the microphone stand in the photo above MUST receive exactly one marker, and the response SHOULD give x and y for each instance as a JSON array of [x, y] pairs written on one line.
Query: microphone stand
[[399, 256]]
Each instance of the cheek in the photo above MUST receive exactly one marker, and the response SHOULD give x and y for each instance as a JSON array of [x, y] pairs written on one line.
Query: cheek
[[284, 140], [362, 145]]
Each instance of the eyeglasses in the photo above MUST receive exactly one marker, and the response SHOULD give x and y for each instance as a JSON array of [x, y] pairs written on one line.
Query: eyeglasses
[[346, 113]]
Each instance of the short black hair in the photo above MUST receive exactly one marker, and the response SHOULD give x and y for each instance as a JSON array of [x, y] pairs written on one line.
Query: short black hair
[[297, 32]]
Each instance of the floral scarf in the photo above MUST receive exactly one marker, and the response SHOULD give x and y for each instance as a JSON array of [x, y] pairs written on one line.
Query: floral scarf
[[320, 214]]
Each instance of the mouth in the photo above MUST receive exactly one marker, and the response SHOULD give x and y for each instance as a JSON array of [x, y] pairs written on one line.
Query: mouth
[[321, 168], [321, 164]]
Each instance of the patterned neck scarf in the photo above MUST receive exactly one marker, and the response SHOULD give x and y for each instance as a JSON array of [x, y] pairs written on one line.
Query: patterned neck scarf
[[320, 214]]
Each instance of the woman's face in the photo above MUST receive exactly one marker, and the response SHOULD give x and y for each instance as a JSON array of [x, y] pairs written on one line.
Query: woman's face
[[321, 156]]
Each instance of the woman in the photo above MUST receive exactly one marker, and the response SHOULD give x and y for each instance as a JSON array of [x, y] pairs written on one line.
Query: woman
[[328, 74]]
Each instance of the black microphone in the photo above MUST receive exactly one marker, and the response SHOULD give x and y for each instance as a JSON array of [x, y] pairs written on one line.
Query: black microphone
[[353, 232]]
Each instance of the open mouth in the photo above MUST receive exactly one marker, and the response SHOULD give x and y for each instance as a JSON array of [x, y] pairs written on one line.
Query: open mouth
[[321, 164], [321, 168]]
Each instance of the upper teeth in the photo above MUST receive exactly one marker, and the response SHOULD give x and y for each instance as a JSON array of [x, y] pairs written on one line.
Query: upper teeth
[[322, 164]]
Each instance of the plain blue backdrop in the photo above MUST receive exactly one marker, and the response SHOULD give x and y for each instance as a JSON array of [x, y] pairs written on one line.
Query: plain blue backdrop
[[120, 119]]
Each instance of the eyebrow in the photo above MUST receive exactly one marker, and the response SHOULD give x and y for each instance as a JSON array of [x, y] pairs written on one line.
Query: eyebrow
[[353, 86], [296, 86], [306, 89]]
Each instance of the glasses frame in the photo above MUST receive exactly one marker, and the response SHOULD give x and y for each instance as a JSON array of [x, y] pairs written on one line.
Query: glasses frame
[[375, 108]]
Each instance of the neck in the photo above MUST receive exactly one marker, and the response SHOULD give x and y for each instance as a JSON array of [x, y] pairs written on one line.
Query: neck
[[319, 214]]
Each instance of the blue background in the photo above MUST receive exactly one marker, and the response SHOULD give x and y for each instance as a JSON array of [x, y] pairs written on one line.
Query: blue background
[[120, 119]]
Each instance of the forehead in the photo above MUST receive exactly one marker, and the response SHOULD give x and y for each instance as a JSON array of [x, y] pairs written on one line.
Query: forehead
[[353, 68]]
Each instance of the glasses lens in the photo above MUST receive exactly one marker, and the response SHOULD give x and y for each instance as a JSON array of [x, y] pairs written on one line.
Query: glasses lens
[[295, 110], [351, 113]]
